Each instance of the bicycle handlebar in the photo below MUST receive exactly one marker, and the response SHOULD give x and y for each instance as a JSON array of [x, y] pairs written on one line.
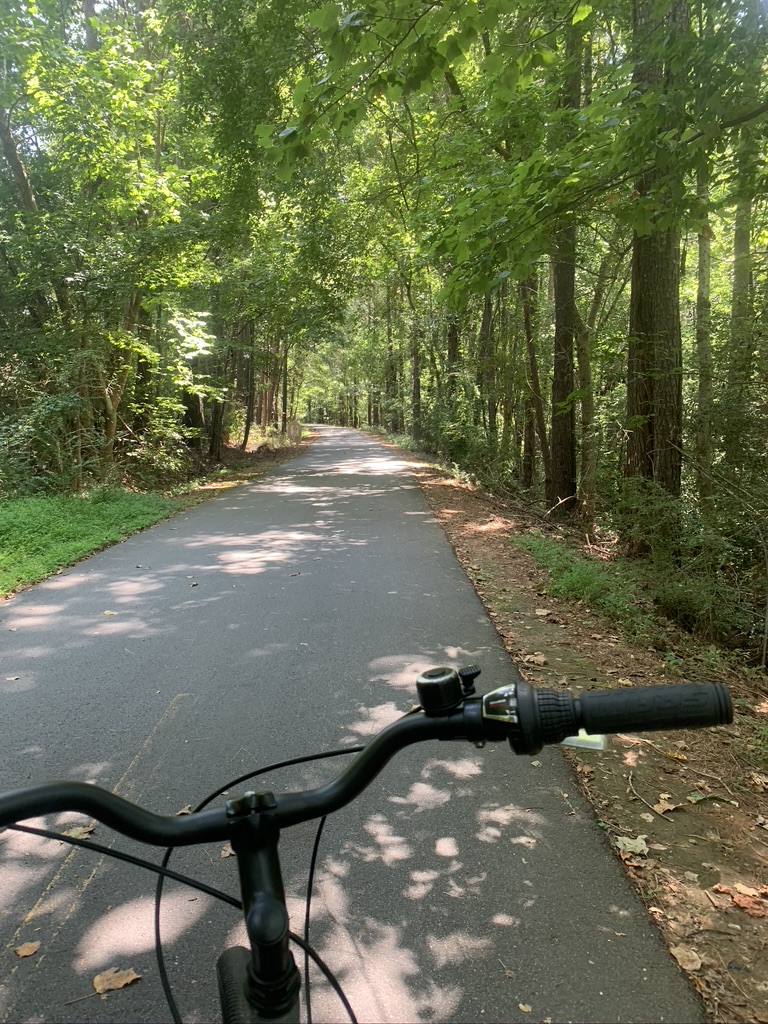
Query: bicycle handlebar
[[520, 713]]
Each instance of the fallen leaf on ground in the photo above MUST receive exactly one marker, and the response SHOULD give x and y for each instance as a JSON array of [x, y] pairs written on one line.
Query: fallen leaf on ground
[[647, 817], [185, 810], [543, 612], [524, 1007], [675, 756], [27, 949], [664, 805], [636, 846], [226, 851], [110, 613], [745, 890], [746, 897], [113, 978], [535, 659], [688, 959], [759, 781], [751, 905], [623, 681], [696, 798], [79, 831]]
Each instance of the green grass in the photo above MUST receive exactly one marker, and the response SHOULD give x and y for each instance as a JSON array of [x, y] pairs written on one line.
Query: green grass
[[602, 586], [40, 535]]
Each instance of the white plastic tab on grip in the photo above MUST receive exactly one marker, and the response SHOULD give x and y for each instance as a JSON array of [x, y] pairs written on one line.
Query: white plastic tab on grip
[[585, 741]]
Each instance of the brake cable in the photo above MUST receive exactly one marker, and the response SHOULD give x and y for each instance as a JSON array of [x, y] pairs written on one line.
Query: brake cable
[[302, 943]]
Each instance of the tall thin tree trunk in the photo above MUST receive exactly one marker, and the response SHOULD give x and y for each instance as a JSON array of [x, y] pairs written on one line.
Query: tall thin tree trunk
[[284, 418], [742, 342], [704, 351], [416, 355], [487, 370], [561, 488], [561, 492], [528, 294]]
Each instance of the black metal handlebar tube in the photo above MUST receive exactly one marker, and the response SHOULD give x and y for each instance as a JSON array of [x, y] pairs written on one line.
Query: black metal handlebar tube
[[114, 811], [466, 723], [217, 824], [527, 717]]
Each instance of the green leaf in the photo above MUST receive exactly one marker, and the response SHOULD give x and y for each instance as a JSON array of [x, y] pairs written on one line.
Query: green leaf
[[582, 12], [325, 18], [301, 90], [355, 19]]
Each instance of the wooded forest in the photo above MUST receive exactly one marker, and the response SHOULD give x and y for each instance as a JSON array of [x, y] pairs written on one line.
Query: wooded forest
[[530, 237]]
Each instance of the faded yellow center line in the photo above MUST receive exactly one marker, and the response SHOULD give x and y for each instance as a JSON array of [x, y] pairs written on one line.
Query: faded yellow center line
[[37, 908]]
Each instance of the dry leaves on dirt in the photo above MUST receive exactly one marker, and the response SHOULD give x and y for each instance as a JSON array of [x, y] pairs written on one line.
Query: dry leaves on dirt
[[688, 958], [624, 844], [753, 900], [536, 659], [27, 949], [113, 978]]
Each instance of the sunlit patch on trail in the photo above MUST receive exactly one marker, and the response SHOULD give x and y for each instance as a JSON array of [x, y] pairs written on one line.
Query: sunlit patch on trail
[[390, 849], [456, 947], [423, 797], [461, 768], [129, 929]]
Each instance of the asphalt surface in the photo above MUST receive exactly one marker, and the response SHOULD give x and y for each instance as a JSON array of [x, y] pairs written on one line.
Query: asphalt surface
[[288, 616]]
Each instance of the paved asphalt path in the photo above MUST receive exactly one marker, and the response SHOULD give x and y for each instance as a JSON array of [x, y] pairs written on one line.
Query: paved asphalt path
[[287, 616]]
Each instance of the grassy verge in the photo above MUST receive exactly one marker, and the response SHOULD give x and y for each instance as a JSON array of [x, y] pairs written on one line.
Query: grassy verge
[[43, 534], [663, 609], [604, 586], [39, 535]]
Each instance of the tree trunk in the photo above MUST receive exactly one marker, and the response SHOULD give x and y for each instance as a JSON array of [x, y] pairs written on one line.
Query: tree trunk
[[417, 334], [391, 393], [742, 341], [561, 492], [654, 370], [284, 426], [528, 294], [704, 352], [487, 371], [561, 489], [250, 404], [654, 363], [453, 354]]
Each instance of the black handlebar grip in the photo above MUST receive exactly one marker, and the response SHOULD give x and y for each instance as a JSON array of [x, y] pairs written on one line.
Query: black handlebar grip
[[652, 708]]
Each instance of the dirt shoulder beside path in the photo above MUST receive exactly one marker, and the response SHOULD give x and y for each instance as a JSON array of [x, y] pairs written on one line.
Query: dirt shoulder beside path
[[685, 811]]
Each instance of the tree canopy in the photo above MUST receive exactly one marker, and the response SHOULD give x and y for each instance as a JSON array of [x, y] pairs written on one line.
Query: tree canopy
[[530, 237]]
